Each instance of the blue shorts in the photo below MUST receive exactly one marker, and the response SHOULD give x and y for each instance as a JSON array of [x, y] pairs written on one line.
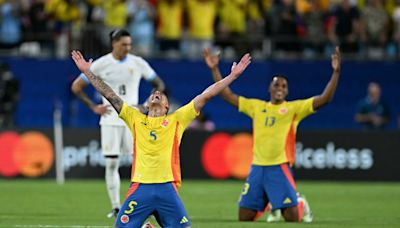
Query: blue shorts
[[160, 200], [269, 184]]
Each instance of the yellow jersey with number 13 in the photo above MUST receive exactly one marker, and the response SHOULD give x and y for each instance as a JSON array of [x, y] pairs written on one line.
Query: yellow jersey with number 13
[[156, 143], [274, 128]]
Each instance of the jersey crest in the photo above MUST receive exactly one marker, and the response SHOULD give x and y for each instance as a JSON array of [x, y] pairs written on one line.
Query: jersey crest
[[164, 123], [283, 111]]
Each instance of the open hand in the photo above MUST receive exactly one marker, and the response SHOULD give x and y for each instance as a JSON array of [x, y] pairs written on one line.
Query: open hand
[[237, 69], [102, 110], [211, 60], [336, 60], [80, 61]]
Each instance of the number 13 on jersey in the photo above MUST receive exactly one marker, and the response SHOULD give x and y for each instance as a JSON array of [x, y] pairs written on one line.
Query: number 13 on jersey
[[270, 121]]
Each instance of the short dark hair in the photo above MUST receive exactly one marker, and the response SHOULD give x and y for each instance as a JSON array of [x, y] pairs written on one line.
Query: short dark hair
[[116, 34], [280, 76]]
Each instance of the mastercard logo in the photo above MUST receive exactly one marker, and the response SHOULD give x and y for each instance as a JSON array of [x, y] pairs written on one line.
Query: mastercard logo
[[225, 155], [29, 154]]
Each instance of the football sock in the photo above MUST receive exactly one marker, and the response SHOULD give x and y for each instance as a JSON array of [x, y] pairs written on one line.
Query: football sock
[[113, 181], [261, 213], [300, 209]]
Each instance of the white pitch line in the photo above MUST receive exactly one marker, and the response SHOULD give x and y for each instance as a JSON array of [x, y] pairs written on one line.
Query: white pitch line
[[57, 226]]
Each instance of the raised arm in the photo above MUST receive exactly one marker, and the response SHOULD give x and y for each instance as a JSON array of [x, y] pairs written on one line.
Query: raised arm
[[158, 84], [330, 88], [220, 85], [212, 63], [78, 87], [98, 83]]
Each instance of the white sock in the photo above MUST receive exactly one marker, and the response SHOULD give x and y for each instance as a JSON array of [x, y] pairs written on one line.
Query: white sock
[[113, 181]]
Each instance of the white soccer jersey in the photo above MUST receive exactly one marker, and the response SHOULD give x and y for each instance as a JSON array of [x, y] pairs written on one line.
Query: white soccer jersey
[[123, 76]]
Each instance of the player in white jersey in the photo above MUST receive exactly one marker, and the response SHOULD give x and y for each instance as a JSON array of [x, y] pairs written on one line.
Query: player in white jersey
[[122, 71]]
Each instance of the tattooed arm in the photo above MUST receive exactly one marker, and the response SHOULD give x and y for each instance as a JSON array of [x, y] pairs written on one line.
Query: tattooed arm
[[98, 83]]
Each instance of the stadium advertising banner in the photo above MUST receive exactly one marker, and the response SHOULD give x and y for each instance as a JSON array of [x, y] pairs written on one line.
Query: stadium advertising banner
[[326, 155]]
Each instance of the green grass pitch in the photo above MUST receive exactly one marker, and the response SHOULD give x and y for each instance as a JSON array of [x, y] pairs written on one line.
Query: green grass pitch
[[84, 203]]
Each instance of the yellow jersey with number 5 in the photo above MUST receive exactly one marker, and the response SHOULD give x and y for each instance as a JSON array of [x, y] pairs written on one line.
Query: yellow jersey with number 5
[[156, 143], [274, 128]]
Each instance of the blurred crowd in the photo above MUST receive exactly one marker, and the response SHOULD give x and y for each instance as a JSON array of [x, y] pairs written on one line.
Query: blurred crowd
[[182, 28]]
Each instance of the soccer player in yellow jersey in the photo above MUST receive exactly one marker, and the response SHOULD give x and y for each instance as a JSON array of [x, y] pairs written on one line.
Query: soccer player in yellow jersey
[[274, 131], [156, 165]]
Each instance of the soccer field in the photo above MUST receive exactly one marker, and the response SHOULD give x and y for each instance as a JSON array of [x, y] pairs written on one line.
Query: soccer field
[[83, 203]]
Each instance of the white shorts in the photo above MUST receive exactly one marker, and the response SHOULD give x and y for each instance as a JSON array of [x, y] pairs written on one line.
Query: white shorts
[[116, 140]]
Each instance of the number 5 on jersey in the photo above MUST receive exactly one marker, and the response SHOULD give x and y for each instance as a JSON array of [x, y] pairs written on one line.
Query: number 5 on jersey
[[153, 135]]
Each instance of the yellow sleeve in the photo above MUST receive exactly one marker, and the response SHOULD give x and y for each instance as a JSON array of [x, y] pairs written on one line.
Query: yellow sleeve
[[246, 106], [50, 6], [305, 108], [186, 114], [128, 114]]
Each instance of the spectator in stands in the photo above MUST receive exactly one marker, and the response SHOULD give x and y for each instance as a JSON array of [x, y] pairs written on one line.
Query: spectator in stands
[[266, 6], [255, 28], [115, 17], [376, 28], [64, 13], [141, 26], [8, 96], [10, 24], [372, 112], [92, 40], [37, 39], [169, 27], [284, 27], [396, 27], [232, 26], [92, 6], [314, 19], [202, 123], [201, 15], [347, 28], [38, 20]]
